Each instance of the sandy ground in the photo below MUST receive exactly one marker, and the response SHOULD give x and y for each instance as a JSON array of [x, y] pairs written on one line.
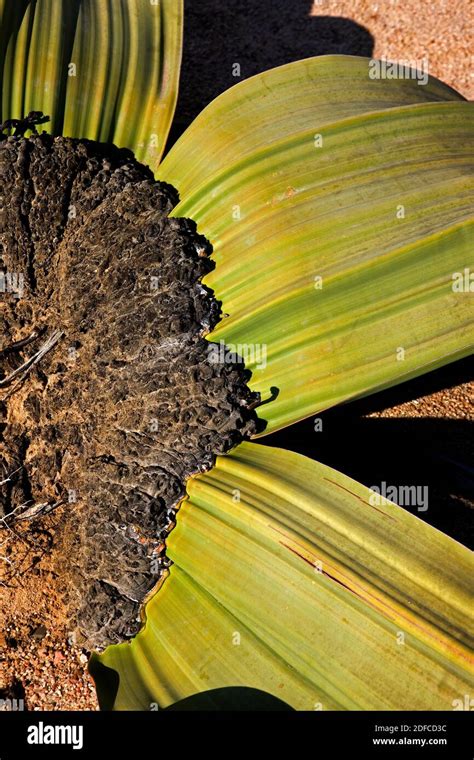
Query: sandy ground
[[441, 32], [46, 672], [39, 665]]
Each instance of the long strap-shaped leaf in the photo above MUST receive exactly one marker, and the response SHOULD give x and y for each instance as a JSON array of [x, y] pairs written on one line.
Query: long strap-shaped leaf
[[106, 70], [340, 211], [288, 579]]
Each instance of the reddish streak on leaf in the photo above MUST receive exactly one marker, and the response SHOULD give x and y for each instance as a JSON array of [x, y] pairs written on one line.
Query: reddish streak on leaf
[[305, 559], [393, 613], [367, 503], [301, 556]]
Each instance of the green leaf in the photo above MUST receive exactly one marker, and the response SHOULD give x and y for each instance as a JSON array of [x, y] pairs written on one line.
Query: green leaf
[[288, 578], [339, 208], [106, 71]]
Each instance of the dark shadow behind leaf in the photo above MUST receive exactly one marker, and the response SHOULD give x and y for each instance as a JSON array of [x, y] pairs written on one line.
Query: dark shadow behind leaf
[[240, 698]]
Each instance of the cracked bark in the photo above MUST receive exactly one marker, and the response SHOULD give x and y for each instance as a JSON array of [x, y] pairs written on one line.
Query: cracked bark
[[126, 406]]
